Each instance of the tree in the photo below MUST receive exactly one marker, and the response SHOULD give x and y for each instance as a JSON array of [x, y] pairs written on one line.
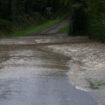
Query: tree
[[78, 17]]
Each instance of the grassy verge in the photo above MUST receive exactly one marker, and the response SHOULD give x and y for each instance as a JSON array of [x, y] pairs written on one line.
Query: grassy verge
[[64, 30], [36, 28], [54, 27], [96, 85]]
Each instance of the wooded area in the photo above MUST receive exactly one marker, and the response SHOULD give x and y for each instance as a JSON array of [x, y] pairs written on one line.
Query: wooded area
[[87, 17], [15, 9], [16, 15]]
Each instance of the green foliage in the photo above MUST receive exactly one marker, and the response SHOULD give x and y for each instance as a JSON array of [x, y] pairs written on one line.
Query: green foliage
[[76, 5], [17, 15], [96, 27], [64, 30], [38, 17], [65, 2], [79, 20], [96, 85], [87, 17], [96, 21], [4, 22], [93, 85], [4, 25], [36, 28]]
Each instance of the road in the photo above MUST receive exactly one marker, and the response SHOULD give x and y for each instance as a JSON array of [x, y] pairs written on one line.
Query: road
[[53, 29], [29, 76]]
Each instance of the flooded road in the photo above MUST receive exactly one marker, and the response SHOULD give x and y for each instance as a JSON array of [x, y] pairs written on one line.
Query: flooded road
[[29, 76]]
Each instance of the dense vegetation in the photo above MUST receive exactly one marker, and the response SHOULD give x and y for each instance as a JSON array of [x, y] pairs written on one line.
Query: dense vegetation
[[17, 15], [87, 17]]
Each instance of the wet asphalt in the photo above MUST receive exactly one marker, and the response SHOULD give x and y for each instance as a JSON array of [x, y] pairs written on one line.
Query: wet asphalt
[[29, 76]]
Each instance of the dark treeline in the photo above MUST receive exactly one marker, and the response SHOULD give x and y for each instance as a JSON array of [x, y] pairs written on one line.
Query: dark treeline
[[15, 9], [87, 18], [15, 14]]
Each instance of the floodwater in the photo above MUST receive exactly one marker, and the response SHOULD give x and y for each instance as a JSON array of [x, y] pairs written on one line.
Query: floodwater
[[29, 76]]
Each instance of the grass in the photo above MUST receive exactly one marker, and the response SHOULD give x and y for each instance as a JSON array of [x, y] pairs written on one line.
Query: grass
[[54, 27], [96, 85], [37, 28], [64, 30]]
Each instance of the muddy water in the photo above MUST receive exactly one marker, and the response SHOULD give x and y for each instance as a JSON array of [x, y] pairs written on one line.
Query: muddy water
[[32, 77]]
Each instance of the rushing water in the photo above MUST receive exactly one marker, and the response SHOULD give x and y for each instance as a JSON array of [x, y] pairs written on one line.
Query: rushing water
[[32, 77]]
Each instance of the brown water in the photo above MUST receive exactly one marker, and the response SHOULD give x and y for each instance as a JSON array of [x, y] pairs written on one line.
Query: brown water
[[29, 76]]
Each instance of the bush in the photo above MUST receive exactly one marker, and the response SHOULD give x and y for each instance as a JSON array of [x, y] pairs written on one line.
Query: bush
[[5, 25], [79, 20], [96, 27], [96, 20]]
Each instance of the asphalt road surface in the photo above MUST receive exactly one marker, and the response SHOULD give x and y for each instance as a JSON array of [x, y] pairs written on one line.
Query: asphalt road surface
[[29, 76]]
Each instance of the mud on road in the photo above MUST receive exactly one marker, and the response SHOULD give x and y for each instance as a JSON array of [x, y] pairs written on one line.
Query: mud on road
[[30, 74], [87, 63]]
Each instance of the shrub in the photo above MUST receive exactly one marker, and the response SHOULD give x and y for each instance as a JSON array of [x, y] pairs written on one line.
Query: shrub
[[96, 20], [96, 27], [79, 20], [5, 25]]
